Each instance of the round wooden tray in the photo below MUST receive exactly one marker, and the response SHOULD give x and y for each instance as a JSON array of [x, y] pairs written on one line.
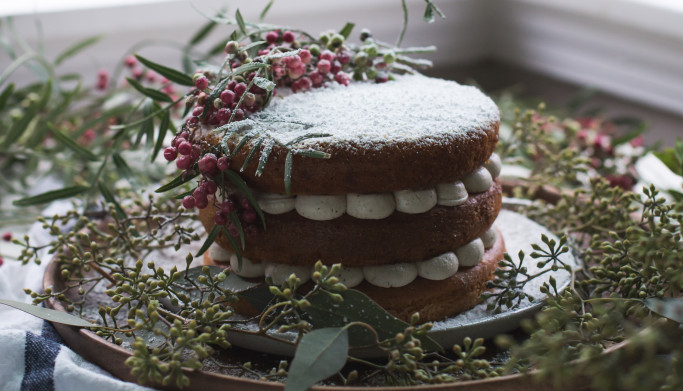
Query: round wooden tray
[[111, 357]]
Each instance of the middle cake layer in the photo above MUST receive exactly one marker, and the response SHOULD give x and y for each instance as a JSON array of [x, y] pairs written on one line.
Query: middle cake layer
[[293, 239]]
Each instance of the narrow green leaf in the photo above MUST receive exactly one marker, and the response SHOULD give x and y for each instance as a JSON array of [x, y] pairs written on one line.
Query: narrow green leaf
[[265, 154], [264, 83], [122, 167], [306, 137], [319, 355], [288, 172], [236, 220], [247, 68], [147, 127], [245, 139], [253, 45], [242, 186], [6, 93], [163, 128], [209, 240], [404, 27], [149, 92], [678, 149], [77, 47], [626, 137], [231, 240], [312, 154], [265, 10], [109, 197], [580, 99], [48, 314], [177, 181], [668, 308], [283, 54], [347, 29], [169, 73], [240, 22], [252, 153], [46, 197], [202, 33], [71, 144]]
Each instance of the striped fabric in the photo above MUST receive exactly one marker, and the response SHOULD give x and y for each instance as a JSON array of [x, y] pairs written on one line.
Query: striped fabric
[[33, 356]]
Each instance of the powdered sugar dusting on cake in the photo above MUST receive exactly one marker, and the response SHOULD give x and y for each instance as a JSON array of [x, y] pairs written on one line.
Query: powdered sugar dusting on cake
[[413, 108]]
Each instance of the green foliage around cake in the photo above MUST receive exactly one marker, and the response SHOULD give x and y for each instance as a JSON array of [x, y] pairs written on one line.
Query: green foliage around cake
[[174, 318]]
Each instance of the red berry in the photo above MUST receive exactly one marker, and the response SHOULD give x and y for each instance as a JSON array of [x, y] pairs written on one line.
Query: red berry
[[227, 207], [170, 154], [251, 230], [244, 202], [207, 163], [239, 115], [272, 37], [304, 84], [249, 99], [288, 36], [227, 97], [197, 111], [130, 61], [7, 236], [342, 78], [201, 83], [249, 216], [223, 114], [220, 219], [233, 231], [223, 163], [240, 89], [185, 148], [184, 162], [382, 78], [137, 74], [316, 78], [324, 66], [327, 55], [188, 202], [305, 56], [199, 193], [210, 187], [196, 152], [344, 57], [202, 203], [231, 85], [192, 121], [1, 261], [336, 67]]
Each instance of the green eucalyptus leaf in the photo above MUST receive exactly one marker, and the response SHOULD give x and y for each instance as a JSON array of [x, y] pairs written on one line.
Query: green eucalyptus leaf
[[149, 92], [71, 144], [202, 33], [347, 29], [77, 47], [209, 240], [169, 73], [49, 196], [668, 157], [668, 308], [319, 355], [264, 83], [358, 307], [48, 314]]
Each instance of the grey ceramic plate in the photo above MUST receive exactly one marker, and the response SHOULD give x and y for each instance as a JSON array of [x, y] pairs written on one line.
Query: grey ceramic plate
[[519, 233]]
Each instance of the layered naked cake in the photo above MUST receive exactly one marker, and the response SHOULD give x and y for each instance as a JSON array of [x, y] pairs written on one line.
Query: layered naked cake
[[406, 200]]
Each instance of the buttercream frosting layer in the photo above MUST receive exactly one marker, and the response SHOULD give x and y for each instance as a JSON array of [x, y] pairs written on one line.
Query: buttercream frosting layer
[[401, 237]]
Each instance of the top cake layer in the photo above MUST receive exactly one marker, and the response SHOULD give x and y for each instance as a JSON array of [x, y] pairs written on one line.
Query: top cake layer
[[410, 133]]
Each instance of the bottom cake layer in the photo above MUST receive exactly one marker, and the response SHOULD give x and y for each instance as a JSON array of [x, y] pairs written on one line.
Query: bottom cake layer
[[434, 300]]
